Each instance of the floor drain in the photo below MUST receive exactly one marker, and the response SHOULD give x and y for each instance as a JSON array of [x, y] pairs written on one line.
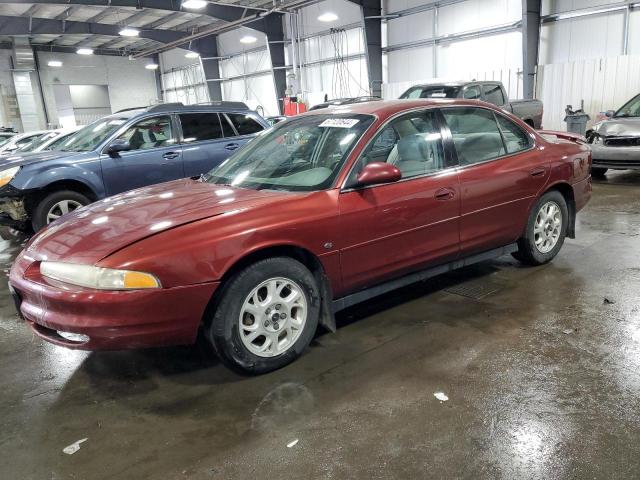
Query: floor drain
[[476, 289]]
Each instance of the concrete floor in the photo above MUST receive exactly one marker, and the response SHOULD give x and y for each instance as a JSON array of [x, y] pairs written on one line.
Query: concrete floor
[[542, 375]]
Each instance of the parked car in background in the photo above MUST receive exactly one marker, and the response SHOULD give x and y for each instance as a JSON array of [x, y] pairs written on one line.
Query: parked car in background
[[275, 119], [344, 101], [615, 142], [529, 111], [126, 150], [5, 135], [54, 142], [323, 211], [20, 140]]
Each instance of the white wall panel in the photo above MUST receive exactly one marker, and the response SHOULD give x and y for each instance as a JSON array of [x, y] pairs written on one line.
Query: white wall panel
[[560, 6], [229, 42], [410, 64], [581, 38], [410, 28], [476, 14], [391, 6], [257, 92], [634, 32], [328, 79], [603, 84]]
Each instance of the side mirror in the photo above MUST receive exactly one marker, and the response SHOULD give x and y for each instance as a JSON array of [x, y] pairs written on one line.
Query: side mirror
[[609, 113], [118, 145], [378, 172]]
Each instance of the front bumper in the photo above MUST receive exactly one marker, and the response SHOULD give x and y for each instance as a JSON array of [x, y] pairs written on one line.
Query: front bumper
[[615, 157], [13, 211], [112, 320]]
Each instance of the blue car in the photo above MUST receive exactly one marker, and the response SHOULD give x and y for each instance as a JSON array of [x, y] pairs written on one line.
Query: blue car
[[126, 150]]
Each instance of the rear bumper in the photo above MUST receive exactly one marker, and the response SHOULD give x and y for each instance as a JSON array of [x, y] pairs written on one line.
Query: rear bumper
[[112, 320], [615, 157]]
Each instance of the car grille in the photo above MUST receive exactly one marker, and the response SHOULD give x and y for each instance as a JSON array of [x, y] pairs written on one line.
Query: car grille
[[622, 141]]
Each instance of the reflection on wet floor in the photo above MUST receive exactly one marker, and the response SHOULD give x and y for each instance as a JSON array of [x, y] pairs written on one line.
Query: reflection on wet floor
[[541, 374]]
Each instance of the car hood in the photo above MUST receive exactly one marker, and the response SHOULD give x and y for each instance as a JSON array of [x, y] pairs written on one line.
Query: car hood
[[9, 160], [92, 233], [618, 127]]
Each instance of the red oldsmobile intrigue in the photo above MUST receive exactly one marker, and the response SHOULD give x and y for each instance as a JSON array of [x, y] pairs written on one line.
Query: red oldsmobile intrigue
[[321, 212]]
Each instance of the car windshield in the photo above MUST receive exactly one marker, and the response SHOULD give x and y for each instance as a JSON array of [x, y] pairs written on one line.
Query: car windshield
[[630, 109], [57, 143], [4, 139], [36, 142], [91, 136], [434, 91], [304, 154]]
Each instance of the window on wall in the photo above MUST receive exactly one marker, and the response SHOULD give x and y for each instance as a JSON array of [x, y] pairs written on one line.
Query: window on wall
[[186, 85]]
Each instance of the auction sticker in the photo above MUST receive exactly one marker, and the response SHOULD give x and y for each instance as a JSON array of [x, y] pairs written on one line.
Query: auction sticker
[[339, 122]]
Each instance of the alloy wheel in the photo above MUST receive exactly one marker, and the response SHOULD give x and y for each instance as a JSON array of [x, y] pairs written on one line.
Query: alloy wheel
[[547, 227], [60, 208]]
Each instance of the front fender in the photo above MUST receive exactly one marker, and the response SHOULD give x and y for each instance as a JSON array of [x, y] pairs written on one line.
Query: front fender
[[38, 177]]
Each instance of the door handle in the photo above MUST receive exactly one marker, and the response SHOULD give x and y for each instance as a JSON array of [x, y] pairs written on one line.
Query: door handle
[[444, 194], [231, 146], [538, 172], [171, 155]]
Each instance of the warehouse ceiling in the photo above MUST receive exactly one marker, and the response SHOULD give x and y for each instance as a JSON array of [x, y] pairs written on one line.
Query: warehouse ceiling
[[52, 17]]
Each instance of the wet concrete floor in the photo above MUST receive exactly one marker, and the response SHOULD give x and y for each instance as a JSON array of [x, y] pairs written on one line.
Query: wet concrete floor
[[542, 375]]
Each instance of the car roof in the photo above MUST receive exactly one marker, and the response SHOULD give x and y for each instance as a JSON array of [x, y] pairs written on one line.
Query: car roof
[[386, 108]]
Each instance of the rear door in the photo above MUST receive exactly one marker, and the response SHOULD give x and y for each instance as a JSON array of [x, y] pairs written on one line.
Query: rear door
[[204, 145], [501, 172], [155, 156]]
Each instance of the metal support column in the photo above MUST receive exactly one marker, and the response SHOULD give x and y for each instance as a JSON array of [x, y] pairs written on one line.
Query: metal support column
[[273, 27], [372, 12], [207, 47], [530, 44]]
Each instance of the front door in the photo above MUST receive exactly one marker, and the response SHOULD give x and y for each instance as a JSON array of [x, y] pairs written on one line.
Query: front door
[[154, 157], [394, 228], [501, 174]]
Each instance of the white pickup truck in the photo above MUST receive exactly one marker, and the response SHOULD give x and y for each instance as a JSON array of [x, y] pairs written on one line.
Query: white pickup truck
[[529, 111]]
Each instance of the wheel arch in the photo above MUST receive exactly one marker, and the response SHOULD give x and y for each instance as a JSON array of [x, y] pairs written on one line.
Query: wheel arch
[[566, 190], [301, 254]]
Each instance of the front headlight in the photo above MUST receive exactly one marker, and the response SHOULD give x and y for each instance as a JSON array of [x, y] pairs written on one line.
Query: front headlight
[[98, 277], [7, 175]]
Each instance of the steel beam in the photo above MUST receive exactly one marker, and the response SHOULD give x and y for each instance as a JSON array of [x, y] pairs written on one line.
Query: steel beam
[[274, 29], [33, 26], [372, 23], [208, 49], [530, 44]]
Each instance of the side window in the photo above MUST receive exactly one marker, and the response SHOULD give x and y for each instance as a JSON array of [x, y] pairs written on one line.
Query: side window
[[472, 92], [493, 94], [515, 138], [413, 93], [245, 124], [413, 143], [150, 133], [475, 134], [200, 126]]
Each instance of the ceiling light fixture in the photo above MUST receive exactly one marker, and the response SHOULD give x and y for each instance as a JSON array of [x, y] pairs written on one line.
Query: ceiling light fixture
[[194, 4], [328, 17], [54, 63], [248, 39], [192, 55], [129, 32], [85, 51], [151, 66]]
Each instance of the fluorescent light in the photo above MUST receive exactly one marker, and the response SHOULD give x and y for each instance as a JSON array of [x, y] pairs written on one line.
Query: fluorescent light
[[328, 17], [151, 66], [194, 4], [85, 51], [54, 63], [129, 32], [248, 39], [192, 55]]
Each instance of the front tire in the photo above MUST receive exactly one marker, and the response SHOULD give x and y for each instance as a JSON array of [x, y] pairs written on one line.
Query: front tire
[[54, 205], [598, 171], [546, 230], [266, 316]]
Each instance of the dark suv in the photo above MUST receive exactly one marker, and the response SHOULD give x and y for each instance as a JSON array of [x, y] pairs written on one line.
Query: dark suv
[[129, 149]]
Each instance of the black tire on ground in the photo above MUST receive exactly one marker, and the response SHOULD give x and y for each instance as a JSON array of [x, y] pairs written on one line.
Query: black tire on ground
[[39, 215], [222, 327], [528, 252], [598, 171]]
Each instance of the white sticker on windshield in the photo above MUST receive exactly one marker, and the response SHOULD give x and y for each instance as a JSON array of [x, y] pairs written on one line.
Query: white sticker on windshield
[[438, 95], [339, 122]]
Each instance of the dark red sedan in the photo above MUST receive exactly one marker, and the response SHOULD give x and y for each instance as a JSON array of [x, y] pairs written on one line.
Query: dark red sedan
[[323, 211]]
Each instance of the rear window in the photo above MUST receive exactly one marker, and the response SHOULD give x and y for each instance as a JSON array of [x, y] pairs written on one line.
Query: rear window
[[200, 126], [245, 124], [432, 91]]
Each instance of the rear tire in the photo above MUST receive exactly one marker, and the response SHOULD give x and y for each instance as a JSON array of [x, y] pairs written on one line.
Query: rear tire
[[266, 316], [546, 230], [598, 171], [55, 204]]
